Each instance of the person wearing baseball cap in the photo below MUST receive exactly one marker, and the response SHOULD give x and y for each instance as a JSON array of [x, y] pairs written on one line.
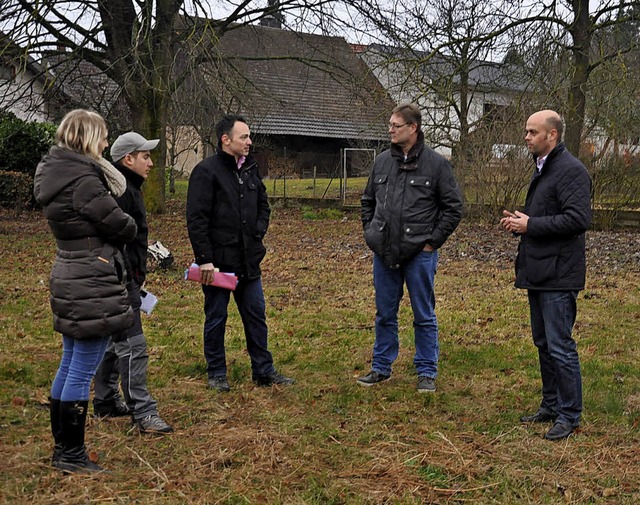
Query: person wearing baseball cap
[[130, 143], [127, 354]]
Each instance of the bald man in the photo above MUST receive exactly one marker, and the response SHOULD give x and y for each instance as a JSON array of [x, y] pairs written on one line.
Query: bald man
[[551, 266]]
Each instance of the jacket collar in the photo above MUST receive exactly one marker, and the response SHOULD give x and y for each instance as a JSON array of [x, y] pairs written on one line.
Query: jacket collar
[[130, 175], [230, 160], [410, 162], [554, 152]]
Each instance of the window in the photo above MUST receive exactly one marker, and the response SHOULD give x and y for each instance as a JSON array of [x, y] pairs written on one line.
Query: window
[[494, 113]]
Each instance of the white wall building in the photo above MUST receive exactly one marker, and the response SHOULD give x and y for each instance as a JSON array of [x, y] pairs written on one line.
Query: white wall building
[[434, 84], [25, 85]]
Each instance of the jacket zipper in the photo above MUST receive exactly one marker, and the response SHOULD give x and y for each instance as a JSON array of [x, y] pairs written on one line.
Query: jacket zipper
[[244, 169]]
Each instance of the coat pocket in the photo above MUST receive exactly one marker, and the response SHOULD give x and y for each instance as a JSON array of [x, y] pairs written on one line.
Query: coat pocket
[[414, 237], [416, 234], [224, 238], [113, 263], [541, 263], [375, 235], [420, 183]]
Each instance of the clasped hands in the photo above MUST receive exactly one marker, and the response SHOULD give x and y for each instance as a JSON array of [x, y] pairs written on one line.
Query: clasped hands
[[515, 222]]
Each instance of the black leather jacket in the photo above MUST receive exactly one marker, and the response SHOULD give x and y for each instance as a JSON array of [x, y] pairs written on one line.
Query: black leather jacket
[[409, 203], [228, 214]]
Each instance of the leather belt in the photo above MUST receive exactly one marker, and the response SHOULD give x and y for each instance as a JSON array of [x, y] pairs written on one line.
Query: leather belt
[[80, 244]]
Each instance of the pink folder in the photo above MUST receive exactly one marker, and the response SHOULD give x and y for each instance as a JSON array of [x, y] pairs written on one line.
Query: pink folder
[[224, 280]]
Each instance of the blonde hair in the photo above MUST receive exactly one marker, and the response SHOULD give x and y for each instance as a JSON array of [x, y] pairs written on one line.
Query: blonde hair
[[82, 131]]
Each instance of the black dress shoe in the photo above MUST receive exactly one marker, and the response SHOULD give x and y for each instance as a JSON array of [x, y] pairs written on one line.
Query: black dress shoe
[[559, 431], [272, 379], [539, 417], [220, 384], [115, 409]]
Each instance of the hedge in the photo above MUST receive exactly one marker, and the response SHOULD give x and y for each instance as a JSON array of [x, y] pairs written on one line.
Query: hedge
[[22, 146], [15, 190]]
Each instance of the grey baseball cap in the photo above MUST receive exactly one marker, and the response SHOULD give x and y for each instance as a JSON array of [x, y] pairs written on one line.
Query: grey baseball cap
[[131, 142]]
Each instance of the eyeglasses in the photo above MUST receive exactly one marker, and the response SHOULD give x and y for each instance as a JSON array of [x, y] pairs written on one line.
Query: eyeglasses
[[393, 126]]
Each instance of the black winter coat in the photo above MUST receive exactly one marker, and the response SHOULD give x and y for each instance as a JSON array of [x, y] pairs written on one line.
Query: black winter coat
[[551, 254], [228, 214], [87, 284], [409, 203], [132, 202]]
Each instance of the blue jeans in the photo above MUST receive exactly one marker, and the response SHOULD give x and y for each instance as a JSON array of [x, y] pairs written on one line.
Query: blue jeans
[[80, 360], [553, 314], [418, 274], [249, 298]]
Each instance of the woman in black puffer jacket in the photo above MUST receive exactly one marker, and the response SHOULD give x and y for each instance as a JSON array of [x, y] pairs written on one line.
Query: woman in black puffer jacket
[[76, 187]]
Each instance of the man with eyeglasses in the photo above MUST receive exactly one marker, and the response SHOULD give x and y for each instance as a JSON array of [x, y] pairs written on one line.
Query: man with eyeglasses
[[410, 206]]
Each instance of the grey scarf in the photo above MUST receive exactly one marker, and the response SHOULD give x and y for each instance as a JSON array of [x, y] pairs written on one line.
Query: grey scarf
[[115, 180]]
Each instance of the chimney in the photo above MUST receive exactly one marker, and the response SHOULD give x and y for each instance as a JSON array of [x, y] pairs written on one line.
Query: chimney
[[274, 18]]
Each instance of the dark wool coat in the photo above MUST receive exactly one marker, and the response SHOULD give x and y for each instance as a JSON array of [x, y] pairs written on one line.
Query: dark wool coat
[[409, 203], [87, 284], [228, 214], [551, 254]]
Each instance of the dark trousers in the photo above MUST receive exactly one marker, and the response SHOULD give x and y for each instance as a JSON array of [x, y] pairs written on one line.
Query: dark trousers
[[249, 298], [127, 358], [553, 314]]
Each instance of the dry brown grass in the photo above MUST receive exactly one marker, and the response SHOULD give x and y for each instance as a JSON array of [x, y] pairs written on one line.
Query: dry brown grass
[[325, 440]]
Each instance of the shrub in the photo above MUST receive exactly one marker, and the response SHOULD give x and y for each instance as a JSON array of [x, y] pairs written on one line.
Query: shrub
[[15, 189], [22, 146], [616, 183]]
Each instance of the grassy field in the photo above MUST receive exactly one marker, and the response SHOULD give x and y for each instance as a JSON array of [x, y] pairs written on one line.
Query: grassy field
[[326, 440], [493, 192], [303, 188]]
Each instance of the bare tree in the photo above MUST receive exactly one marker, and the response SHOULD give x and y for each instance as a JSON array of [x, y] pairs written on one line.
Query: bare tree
[[133, 44], [585, 29], [468, 28], [442, 57]]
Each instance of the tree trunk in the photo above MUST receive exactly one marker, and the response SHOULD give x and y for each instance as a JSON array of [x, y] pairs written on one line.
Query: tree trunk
[[154, 194], [148, 108], [581, 32]]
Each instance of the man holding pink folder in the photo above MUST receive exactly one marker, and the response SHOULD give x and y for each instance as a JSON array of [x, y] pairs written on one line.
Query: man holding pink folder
[[227, 218]]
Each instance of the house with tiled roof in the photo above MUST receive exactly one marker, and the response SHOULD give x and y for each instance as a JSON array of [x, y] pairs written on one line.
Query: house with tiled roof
[[306, 97], [91, 89], [26, 86], [307, 85]]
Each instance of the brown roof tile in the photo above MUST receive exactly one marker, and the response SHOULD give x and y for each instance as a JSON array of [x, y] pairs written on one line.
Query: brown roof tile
[[302, 84]]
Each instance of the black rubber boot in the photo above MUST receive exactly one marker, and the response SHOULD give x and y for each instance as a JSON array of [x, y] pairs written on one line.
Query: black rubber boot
[[54, 413], [73, 457]]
